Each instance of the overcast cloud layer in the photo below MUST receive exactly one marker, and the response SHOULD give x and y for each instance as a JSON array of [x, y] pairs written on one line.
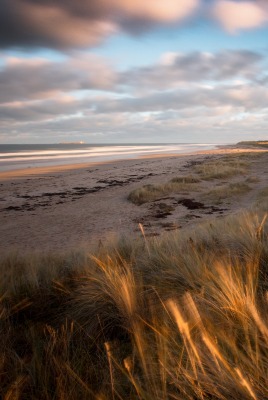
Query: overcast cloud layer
[[184, 96]]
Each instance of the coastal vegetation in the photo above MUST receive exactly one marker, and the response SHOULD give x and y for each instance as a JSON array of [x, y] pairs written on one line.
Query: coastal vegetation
[[178, 317], [257, 143], [263, 193], [221, 192], [224, 168], [146, 193]]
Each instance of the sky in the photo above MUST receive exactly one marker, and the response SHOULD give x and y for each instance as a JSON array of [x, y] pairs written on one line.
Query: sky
[[133, 71]]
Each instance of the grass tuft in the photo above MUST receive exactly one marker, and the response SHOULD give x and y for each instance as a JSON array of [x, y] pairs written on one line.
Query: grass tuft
[[221, 169], [263, 193], [152, 192], [227, 191]]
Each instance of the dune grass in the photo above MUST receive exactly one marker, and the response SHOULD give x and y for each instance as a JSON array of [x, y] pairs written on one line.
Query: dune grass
[[182, 317], [152, 192], [223, 168], [226, 167], [226, 191], [263, 193], [252, 179]]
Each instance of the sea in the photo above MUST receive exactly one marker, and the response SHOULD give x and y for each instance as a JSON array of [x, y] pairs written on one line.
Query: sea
[[21, 156]]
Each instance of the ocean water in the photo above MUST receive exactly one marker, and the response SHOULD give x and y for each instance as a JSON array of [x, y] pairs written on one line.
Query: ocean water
[[15, 156]]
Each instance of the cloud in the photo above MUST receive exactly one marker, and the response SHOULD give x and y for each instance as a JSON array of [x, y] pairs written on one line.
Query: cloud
[[38, 78], [170, 105], [64, 24], [235, 16], [40, 110], [176, 70], [197, 124], [247, 97], [84, 97]]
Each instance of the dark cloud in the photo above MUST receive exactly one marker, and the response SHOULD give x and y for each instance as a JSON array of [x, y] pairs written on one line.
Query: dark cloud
[[46, 24], [63, 24]]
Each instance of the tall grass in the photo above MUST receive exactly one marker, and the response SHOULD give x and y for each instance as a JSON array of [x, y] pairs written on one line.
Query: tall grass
[[152, 192], [224, 168], [182, 317], [226, 191], [263, 193]]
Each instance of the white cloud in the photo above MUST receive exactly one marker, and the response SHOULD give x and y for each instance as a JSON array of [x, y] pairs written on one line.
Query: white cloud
[[159, 10], [234, 16], [168, 58]]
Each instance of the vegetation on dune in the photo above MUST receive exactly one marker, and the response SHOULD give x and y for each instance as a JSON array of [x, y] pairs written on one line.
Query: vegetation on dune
[[263, 193], [223, 168], [182, 317], [248, 156], [257, 143], [227, 191], [152, 192], [252, 179], [226, 167]]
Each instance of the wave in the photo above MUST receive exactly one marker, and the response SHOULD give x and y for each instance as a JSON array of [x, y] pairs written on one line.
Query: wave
[[25, 158]]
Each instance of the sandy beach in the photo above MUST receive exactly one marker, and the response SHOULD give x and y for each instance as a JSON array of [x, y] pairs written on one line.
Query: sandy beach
[[59, 208]]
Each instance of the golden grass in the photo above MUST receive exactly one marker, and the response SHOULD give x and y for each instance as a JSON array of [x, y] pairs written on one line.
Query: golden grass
[[152, 192], [224, 168], [227, 191], [182, 317], [185, 179]]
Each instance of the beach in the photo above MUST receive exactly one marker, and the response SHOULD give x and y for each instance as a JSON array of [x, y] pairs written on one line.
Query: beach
[[58, 208], [143, 278]]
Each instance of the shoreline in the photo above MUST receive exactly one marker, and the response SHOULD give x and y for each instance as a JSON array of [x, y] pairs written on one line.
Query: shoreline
[[57, 168], [54, 158]]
